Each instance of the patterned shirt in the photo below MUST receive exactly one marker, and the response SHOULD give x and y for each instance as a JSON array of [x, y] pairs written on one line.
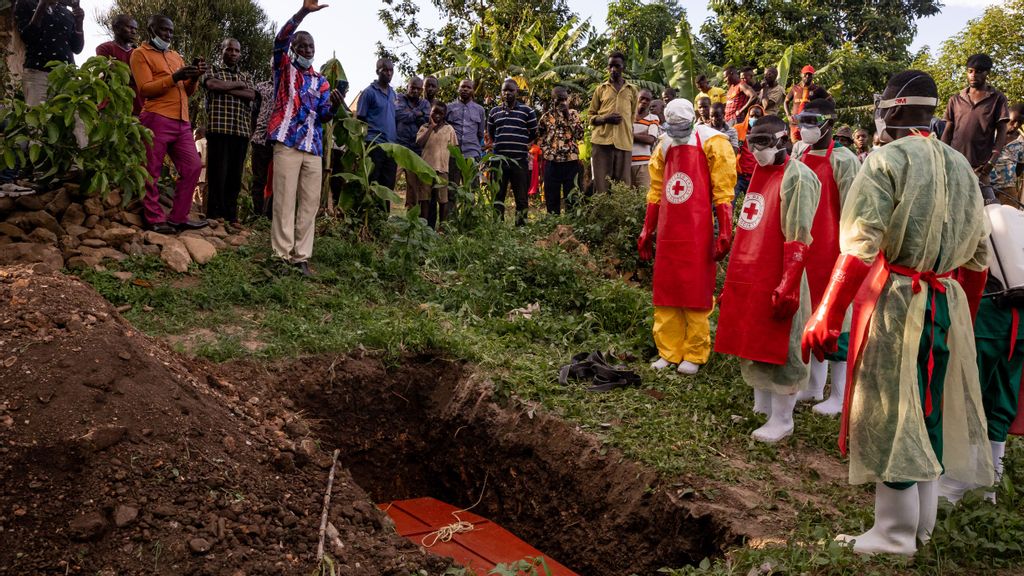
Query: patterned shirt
[[512, 130], [226, 113], [302, 100], [1004, 171], [56, 37], [469, 121], [265, 90], [560, 137], [641, 151]]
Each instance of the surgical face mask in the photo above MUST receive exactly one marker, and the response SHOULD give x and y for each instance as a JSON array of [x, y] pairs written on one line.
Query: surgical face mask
[[751, 122], [765, 148], [679, 130], [159, 43], [301, 61], [766, 157], [810, 135]]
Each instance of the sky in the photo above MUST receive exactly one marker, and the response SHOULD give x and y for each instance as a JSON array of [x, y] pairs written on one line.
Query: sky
[[351, 29]]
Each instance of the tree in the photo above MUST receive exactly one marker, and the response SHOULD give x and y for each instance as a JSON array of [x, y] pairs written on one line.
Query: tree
[[201, 25], [645, 25], [873, 37], [995, 33]]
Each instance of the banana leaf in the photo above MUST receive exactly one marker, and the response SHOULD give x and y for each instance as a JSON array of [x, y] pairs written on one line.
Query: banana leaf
[[783, 67], [412, 162], [678, 61]]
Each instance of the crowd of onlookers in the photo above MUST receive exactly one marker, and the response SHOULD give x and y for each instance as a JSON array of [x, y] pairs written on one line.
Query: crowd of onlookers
[[277, 124]]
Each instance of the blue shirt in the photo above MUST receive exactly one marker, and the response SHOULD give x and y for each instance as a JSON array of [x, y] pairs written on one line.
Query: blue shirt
[[512, 130], [377, 108], [469, 121], [408, 119], [302, 101]]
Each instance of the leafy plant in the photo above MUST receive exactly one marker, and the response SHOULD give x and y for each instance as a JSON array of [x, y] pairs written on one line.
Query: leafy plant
[[609, 223], [411, 241], [43, 136], [474, 194], [526, 567]]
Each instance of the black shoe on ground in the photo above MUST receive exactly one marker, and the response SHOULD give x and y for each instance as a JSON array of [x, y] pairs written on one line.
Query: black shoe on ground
[[162, 228], [191, 225], [304, 269]]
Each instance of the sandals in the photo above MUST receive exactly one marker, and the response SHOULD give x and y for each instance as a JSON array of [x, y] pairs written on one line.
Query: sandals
[[595, 367]]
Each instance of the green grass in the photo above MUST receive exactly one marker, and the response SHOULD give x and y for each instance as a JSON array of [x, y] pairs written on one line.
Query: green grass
[[456, 304]]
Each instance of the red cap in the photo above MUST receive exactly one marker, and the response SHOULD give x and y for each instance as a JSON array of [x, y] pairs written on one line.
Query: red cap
[[807, 69]]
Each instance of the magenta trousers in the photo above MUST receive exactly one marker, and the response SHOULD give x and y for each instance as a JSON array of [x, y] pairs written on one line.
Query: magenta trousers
[[171, 138]]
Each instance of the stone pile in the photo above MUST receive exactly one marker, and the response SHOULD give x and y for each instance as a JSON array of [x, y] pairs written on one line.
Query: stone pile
[[64, 228]]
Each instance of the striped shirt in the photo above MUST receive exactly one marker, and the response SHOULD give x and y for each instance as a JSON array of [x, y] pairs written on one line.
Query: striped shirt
[[302, 101], [651, 125], [512, 130]]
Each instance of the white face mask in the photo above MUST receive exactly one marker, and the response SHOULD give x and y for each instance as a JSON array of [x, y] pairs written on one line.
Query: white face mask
[[765, 157], [811, 135], [159, 43], [301, 61]]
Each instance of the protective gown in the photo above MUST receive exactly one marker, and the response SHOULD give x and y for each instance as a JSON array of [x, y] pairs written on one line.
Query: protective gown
[[799, 198], [915, 201]]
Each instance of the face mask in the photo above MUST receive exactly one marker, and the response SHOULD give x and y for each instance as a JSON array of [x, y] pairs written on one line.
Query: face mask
[[680, 130], [811, 135], [159, 43], [301, 61], [766, 157], [882, 105], [751, 122]]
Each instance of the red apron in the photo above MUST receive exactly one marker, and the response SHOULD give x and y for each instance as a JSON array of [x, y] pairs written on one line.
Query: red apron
[[684, 263], [824, 250], [746, 326]]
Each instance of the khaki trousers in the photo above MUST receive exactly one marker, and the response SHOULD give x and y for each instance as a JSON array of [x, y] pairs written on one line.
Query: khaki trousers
[[640, 176], [297, 181]]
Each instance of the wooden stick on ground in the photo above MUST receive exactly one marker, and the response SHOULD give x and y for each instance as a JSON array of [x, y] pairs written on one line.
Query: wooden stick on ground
[[327, 507]]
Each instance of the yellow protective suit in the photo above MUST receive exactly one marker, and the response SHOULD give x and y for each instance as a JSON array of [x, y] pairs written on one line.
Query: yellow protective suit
[[800, 194], [917, 201], [681, 333]]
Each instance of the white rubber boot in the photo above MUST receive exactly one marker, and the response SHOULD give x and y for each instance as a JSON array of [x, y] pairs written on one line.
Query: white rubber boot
[[928, 496], [816, 385], [762, 402], [780, 422], [998, 451], [953, 490], [834, 405], [897, 514], [660, 364], [688, 368]]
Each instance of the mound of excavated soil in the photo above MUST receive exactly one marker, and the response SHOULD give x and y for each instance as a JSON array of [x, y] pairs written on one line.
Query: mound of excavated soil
[[118, 456]]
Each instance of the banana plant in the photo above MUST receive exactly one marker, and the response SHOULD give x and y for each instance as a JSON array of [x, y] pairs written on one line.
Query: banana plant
[[679, 61], [334, 72]]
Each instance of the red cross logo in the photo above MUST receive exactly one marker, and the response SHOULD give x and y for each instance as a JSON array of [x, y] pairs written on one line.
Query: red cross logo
[[679, 188], [752, 212]]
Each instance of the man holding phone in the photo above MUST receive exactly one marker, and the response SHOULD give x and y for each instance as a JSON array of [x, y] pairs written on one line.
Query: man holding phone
[[52, 31], [166, 83]]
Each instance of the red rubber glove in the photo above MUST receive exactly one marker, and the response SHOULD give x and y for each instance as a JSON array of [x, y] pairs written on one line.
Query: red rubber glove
[[973, 283], [786, 296], [821, 335], [645, 242], [723, 213]]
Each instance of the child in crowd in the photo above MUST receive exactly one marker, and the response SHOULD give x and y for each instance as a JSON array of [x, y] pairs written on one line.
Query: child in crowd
[[434, 139]]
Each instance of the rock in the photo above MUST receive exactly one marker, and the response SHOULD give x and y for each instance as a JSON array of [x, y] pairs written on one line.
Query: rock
[[11, 231], [199, 545], [74, 215], [76, 230], [156, 238], [296, 427], [217, 243], [235, 240], [31, 253], [82, 262], [59, 204], [101, 252], [104, 437], [229, 444], [32, 202], [43, 236], [91, 221], [151, 250], [133, 249], [69, 242], [218, 231], [6, 204], [29, 221], [175, 255], [132, 218], [89, 526], [125, 515], [113, 199], [200, 250], [93, 206], [94, 243], [117, 235]]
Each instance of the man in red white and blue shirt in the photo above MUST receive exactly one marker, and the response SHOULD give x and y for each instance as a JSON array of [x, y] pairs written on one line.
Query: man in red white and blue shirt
[[303, 101]]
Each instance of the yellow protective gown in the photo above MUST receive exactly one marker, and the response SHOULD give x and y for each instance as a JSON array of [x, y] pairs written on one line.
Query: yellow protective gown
[[680, 333], [800, 194], [917, 201]]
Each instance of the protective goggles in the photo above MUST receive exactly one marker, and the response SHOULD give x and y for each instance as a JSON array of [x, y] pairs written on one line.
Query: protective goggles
[[881, 104], [809, 119], [763, 140]]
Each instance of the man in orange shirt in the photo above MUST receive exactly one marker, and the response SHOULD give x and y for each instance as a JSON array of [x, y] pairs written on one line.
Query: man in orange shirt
[[166, 82]]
